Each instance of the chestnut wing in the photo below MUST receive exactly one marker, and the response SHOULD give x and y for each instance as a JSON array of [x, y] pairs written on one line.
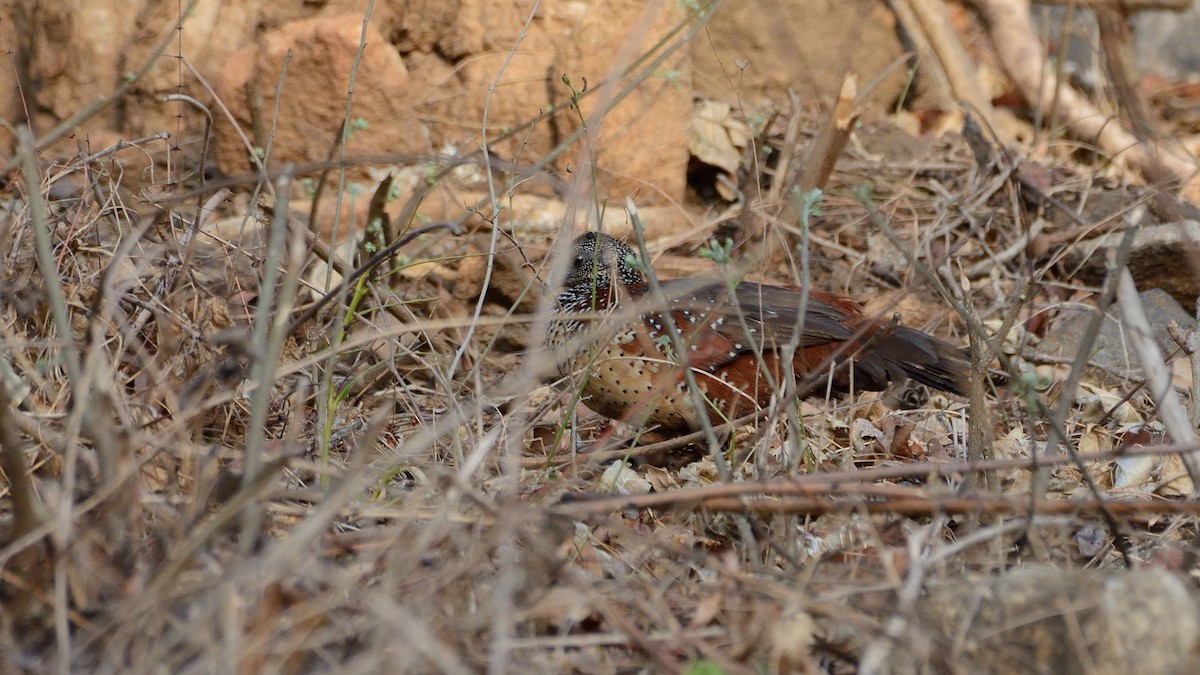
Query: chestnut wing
[[719, 327], [768, 315]]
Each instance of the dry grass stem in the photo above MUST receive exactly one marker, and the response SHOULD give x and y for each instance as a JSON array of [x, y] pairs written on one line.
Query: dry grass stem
[[229, 444]]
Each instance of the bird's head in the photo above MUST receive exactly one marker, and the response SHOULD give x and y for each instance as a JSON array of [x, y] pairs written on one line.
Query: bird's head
[[597, 260]]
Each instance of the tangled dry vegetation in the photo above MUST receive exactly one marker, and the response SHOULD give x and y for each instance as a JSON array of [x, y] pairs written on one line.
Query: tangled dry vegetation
[[211, 464]]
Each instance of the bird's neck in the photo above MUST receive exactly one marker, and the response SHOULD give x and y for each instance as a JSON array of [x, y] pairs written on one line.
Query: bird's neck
[[601, 297]]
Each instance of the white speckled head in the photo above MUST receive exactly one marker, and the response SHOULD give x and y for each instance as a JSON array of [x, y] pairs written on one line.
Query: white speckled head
[[596, 259]]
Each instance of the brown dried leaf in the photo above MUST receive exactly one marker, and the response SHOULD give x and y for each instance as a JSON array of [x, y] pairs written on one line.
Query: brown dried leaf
[[716, 137]]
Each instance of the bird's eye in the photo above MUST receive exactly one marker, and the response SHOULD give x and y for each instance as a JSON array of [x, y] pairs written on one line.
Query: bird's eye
[[579, 260]]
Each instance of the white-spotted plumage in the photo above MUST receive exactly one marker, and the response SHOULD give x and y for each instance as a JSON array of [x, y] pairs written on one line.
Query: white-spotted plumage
[[606, 329]]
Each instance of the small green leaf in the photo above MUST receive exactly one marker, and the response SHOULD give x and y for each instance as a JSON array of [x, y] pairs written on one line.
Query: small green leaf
[[703, 668], [718, 252], [663, 342]]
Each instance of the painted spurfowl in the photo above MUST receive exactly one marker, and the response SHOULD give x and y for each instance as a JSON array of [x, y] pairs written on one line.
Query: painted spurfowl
[[608, 327]]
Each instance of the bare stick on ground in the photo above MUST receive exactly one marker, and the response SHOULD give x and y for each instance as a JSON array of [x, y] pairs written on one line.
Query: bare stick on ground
[[1017, 47]]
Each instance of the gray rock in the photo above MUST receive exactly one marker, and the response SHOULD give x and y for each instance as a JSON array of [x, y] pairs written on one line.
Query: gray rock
[[1165, 256], [1163, 40], [1047, 620], [1112, 349]]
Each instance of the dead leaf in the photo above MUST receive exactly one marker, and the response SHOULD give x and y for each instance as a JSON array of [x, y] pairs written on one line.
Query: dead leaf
[[1095, 401], [706, 610], [660, 479], [718, 139], [1133, 472], [863, 435], [1095, 439], [792, 639], [560, 606], [620, 477], [1173, 479]]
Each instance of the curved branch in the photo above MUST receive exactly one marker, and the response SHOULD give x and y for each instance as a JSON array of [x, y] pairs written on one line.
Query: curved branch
[[1017, 47]]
